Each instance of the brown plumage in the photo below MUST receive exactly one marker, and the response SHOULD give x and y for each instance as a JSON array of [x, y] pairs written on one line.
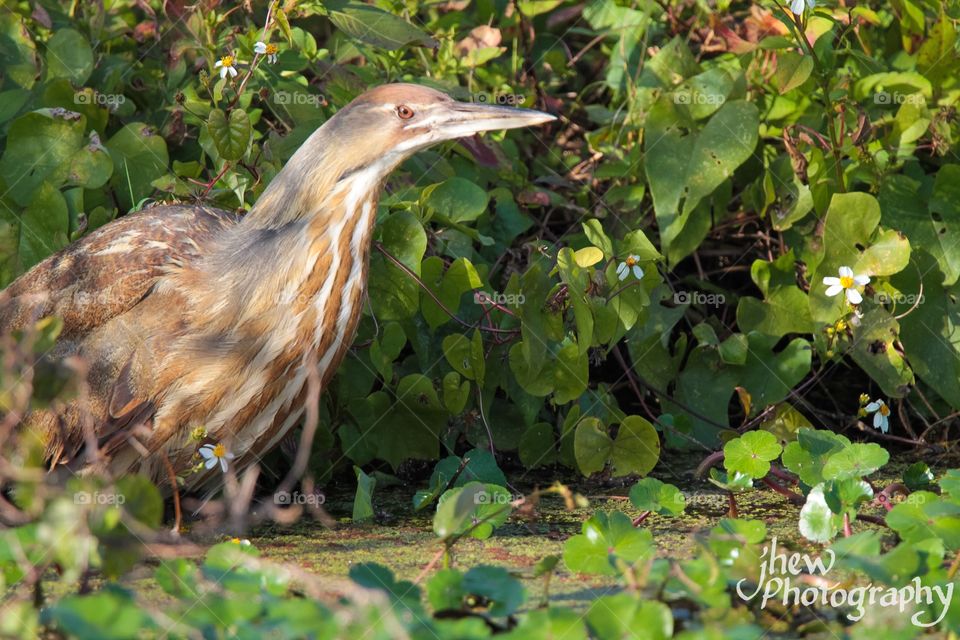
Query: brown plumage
[[189, 316]]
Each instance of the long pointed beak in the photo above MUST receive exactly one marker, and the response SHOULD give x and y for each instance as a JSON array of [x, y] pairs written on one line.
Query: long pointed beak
[[461, 119]]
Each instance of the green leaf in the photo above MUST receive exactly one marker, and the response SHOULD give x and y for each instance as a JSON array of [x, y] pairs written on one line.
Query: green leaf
[[751, 453], [570, 374], [856, 460], [874, 349], [394, 294], [845, 496], [538, 446], [887, 255], [588, 256], [531, 8], [39, 230], [793, 69], [636, 449], [457, 199], [455, 393], [445, 590], [622, 615], [592, 446], [18, 50], [731, 535], [375, 27], [109, 614], [141, 499], [139, 157], [40, 147], [650, 494], [605, 539], [465, 355], [925, 516], [850, 219], [734, 482], [69, 56], [688, 168], [91, 167], [784, 310], [475, 507], [930, 334], [230, 133], [931, 227], [363, 500], [496, 585], [918, 476], [810, 452]]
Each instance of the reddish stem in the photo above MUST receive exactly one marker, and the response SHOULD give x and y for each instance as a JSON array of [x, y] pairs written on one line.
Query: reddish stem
[[847, 531], [795, 498], [732, 511], [639, 519]]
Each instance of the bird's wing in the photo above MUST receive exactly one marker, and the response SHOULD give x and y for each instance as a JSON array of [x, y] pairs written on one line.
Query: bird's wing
[[92, 285], [110, 270]]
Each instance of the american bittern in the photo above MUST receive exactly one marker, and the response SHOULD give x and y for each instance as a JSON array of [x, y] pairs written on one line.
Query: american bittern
[[190, 316]]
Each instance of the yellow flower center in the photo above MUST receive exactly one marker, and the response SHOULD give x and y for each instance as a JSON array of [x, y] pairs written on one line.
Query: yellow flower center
[[631, 261], [272, 49], [219, 451], [846, 282], [884, 410], [227, 61]]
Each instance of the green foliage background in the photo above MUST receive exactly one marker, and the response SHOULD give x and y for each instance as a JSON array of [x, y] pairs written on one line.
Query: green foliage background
[[705, 155], [735, 162]]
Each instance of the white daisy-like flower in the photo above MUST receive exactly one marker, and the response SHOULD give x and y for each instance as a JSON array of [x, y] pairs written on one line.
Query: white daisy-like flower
[[798, 6], [227, 66], [881, 415], [270, 50], [628, 265], [213, 454], [846, 282]]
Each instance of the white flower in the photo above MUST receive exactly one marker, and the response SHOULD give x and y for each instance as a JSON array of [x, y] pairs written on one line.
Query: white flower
[[630, 264], [226, 66], [798, 6], [269, 50], [881, 415], [846, 282], [214, 454]]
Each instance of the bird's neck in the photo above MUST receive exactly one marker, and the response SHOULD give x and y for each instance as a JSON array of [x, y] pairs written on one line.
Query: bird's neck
[[321, 172]]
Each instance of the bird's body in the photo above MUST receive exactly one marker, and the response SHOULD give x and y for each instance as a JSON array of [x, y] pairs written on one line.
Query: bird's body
[[193, 317]]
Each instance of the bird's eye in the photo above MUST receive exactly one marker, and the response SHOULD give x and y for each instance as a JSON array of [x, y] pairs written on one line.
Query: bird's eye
[[404, 112]]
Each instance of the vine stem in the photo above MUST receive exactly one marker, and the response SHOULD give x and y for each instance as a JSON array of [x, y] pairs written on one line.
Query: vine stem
[[407, 270], [798, 25], [795, 498]]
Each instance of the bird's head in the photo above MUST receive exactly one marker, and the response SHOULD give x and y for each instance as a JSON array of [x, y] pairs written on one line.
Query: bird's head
[[396, 120], [369, 138]]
